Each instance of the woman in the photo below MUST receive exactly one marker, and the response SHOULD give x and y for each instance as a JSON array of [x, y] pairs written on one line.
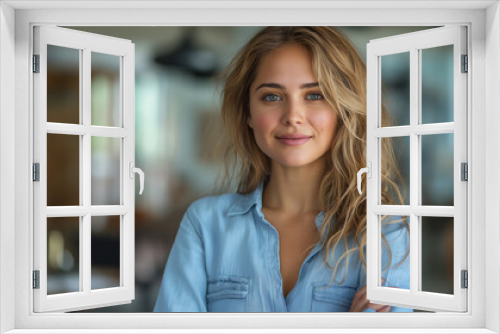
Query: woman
[[293, 237]]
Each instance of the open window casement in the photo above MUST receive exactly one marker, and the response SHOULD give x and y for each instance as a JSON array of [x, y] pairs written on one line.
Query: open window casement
[[419, 211], [96, 152]]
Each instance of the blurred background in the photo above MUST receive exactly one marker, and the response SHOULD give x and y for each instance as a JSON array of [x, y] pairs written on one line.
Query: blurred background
[[177, 126]]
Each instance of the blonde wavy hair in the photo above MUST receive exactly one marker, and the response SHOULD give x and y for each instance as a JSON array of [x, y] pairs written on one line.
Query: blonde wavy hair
[[341, 75]]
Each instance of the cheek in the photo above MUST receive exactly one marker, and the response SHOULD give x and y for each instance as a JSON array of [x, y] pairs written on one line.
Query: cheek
[[327, 123], [263, 123]]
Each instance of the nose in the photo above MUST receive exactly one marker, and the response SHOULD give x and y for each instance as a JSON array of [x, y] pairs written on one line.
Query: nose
[[293, 113]]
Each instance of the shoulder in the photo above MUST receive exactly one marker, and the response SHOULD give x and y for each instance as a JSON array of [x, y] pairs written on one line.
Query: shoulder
[[214, 204], [210, 210]]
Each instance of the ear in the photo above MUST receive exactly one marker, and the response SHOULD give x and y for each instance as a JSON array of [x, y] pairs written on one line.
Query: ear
[[250, 122]]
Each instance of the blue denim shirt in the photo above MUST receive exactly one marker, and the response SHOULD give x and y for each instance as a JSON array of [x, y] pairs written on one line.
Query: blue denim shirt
[[225, 258]]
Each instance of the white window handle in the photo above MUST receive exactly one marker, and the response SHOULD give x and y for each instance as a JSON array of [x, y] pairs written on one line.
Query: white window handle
[[138, 171], [367, 170]]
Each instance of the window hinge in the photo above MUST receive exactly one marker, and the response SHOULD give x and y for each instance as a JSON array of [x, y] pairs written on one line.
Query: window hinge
[[465, 279], [36, 279], [465, 64], [464, 171], [36, 63], [36, 172]]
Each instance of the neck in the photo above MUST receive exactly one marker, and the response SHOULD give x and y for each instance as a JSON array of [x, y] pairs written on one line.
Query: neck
[[293, 191]]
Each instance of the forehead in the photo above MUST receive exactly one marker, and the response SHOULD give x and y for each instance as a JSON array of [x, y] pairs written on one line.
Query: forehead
[[289, 62]]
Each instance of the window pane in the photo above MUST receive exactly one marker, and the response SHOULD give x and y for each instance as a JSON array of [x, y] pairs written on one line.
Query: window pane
[[437, 84], [63, 255], [105, 171], [63, 170], [395, 257], [105, 90], [437, 254], [63, 85], [395, 73], [437, 169], [105, 249], [396, 155]]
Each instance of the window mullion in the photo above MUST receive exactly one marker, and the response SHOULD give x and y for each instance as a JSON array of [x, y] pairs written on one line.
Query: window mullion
[[419, 129], [415, 170], [123, 187], [81, 175], [85, 274], [420, 210], [109, 210]]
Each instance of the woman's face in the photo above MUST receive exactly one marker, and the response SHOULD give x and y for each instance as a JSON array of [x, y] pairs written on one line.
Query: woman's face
[[285, 100]]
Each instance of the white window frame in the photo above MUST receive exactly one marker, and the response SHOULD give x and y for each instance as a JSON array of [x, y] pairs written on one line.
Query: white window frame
[[413, 44], [16, 214], [85, 44]]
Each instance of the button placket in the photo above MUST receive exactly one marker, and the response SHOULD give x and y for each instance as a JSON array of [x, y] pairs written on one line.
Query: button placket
[[270, 257], [277, 271]]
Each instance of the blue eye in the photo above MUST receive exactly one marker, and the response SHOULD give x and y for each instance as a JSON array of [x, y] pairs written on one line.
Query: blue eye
[[316, 97], [273, 97]]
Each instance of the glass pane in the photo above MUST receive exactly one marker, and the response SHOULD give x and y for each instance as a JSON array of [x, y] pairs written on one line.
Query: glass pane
[[395, 257], [437, 254], [63, 85], [437, 169], [105, 90], [395, 72], [63, 255], [105, 249], [437, 84], [63, 170], [105, 171], [395, 157]]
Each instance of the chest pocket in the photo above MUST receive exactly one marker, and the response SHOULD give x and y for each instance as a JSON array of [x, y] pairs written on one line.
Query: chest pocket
[[227, 293], [333, 298]]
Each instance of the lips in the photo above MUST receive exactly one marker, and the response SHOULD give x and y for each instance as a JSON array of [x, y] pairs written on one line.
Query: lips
[[293, 140], [293, 136]]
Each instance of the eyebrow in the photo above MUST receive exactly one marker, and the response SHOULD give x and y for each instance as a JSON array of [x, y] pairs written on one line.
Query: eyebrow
[[275, 85]]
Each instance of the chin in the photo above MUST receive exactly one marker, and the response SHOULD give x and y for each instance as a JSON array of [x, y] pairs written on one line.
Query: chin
[[294, 163]]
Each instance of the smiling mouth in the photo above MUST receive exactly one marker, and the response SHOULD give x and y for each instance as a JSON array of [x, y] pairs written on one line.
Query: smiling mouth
[[293, 141], [294, 138]]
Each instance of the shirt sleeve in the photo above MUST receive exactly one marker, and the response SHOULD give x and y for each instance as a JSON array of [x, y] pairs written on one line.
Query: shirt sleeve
[[184, 284]]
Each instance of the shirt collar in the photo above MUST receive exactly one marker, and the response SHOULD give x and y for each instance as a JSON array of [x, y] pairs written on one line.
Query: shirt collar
[[247, 201]]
